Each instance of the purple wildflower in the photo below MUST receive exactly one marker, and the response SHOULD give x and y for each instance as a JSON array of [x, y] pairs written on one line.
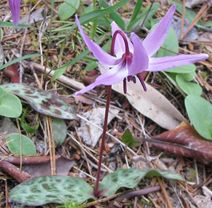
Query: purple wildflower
[[130, 57], [15, 10]]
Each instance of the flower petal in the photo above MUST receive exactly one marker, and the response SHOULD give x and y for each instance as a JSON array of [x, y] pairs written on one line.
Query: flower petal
[[140, 58], [168, 62], [113, 76], [157, 35], [119, 48], [103, 57], [15, 10]]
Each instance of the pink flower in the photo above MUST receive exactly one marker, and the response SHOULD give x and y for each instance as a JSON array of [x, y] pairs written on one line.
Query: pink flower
[[15, 10], [130, 57]]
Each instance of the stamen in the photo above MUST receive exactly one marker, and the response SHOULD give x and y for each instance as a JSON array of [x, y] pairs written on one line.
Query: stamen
[[142, 81], [125, 86]]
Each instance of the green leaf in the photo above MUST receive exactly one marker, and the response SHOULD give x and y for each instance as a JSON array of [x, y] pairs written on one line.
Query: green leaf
[[10, 105], [60, 71], [10, 24], [186, 69], [128, 139], [51, 189], [135, 14], [44, 102], [16, 60], [190, 88], [142, 16], [170, 45], [200, 113], [68, 8], [98, 13], [91, 65], [19, 144], [31, 129], [189, 14], [114, 15], [59, 131], [130, 178]]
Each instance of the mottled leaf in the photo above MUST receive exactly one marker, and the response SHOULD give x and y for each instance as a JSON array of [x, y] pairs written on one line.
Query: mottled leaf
[[130, 178], [19, 144], [51, 189], [184, 141], [44, 102], [59, 131]]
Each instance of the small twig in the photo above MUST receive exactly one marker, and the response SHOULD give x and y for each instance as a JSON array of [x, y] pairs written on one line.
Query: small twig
[[51, 145], [145, 18], [6, 194], [140, 192], [125, 195], [14, 172], [182, 20], [199, 15], [165, 194], [91, 204], [62, 78], [26, 160]]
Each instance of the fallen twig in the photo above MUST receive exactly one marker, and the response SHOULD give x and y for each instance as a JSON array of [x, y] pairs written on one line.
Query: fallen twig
[[14, 172], [26, 160]]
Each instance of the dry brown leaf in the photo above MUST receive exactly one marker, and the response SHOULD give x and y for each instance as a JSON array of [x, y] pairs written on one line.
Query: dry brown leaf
[[151, 104], [63, 167], [89, 131], [184, 141]]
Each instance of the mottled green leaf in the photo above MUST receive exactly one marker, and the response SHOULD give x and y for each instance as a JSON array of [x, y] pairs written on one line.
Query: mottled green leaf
[[44, 102], [51, 189], [130, 178], [200, 113], [19, 144], [59, 131]]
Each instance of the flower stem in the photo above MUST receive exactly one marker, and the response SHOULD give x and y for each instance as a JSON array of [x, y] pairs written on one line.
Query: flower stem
[[102, 145]]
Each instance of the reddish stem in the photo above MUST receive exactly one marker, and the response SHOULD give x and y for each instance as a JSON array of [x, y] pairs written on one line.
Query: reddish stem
[[102, 146], [97, 192]]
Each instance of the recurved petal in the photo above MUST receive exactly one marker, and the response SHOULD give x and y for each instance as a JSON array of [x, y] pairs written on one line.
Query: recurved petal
[[15, 10], [119, 47], [140, 58], [168, 62], [157, 35], [110, 77], [103, 57]]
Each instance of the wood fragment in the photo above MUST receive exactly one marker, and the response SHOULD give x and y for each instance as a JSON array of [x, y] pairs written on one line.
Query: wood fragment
[[199, 15], [27, 160], [14, 172]]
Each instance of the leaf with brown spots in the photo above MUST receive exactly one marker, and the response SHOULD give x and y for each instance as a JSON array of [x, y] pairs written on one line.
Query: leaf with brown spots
[[184, 141], [44, 102]]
